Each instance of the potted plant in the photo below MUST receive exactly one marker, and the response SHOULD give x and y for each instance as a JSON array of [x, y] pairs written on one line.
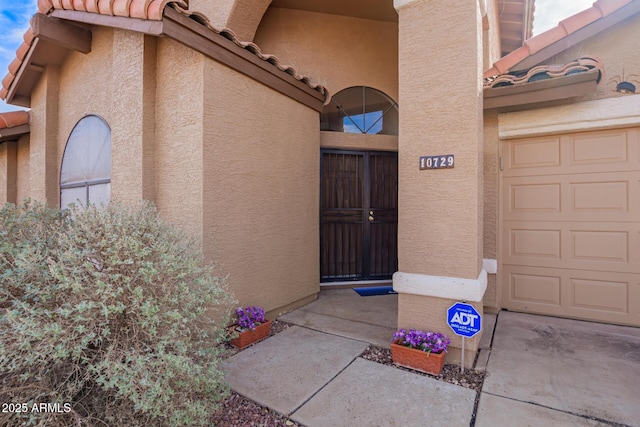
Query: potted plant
[[419, 350], [252, 326]]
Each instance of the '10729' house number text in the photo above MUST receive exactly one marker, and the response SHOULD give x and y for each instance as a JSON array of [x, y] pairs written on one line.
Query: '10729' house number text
[[436, 162]]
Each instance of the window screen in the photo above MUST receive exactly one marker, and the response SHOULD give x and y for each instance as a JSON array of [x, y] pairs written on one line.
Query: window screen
[[85, 174]]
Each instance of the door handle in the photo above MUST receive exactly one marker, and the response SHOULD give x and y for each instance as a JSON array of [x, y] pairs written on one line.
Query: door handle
[[370, 217]]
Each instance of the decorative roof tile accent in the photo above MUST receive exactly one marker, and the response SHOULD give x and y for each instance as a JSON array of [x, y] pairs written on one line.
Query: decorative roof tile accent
[[13, 119], [543, 72], [599, 10], [140, 9]]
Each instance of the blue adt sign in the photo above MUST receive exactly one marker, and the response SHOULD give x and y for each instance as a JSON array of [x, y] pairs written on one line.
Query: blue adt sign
[[464, 320]]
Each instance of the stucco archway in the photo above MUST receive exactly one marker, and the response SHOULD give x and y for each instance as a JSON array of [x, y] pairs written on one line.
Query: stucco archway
[[240, 16]]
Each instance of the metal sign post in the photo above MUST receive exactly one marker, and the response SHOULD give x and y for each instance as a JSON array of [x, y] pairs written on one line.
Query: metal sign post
[[465, 321]]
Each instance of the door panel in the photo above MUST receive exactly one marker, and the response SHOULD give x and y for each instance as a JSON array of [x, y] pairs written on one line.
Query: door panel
[[358, 215]]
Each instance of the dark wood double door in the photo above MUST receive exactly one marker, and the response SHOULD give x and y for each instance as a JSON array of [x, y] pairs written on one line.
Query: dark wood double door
[[358, 215]]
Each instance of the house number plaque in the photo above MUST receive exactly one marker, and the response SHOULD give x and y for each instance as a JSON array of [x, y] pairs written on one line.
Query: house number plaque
[[436, 162]]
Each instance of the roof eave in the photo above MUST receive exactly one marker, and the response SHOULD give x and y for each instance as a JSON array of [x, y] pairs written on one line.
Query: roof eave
[[14, 133], [553, 89], [53, 38]]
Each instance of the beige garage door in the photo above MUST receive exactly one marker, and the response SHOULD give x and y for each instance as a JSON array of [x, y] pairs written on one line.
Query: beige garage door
[[570, 235]]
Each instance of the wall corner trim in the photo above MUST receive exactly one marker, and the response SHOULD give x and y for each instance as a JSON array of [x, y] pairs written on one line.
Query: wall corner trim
[[454, 288]]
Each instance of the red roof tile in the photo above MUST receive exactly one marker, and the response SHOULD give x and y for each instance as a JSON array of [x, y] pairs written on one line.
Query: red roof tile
[[142, 9], [13, 119], [600, 9]]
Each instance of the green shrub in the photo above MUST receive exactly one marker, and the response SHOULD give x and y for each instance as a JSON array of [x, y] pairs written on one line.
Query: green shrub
[[110, 312]]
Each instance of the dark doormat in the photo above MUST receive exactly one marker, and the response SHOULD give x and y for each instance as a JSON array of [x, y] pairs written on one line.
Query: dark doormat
[[375, 290]]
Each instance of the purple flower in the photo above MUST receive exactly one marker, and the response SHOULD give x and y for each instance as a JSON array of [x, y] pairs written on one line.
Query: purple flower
[[250, 317], [429, 342]]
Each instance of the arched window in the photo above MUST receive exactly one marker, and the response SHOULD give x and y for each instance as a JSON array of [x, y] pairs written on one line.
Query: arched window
[[360, 109], [85, 174]]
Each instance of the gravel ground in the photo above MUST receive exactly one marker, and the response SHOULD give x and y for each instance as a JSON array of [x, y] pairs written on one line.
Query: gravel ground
[[237, 411]]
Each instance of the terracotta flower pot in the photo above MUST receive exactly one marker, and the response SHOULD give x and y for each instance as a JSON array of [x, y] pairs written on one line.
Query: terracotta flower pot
[[419, 360], [248, 337]]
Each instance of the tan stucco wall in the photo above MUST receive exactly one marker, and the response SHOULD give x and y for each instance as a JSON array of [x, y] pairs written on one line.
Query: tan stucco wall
[[120, 89], [335, 51], [261, 189], [257, 186], [179, 135], [617, 47]]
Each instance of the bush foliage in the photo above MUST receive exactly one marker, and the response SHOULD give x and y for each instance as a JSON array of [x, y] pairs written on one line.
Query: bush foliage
[[110, 311]]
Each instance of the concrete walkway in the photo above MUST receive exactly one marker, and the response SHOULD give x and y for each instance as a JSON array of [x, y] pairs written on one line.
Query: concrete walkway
[[541, 371], [317, 379]]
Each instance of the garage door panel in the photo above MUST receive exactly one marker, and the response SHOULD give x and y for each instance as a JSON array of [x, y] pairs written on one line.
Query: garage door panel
[[600, 246], [591, 246], [535, 288], [603, 295], [609, 196], [599, 148], [581, 197], [535, 243], [570, 225], [535, 198], [589, 152], [535, 153], [600, 296]]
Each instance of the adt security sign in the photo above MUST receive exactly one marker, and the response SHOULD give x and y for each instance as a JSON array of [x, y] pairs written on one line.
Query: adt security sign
[[464, 320]]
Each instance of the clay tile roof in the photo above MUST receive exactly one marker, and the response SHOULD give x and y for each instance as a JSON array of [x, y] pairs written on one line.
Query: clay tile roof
[[543, 72], [13, 119], [599, 10], [140, 9]]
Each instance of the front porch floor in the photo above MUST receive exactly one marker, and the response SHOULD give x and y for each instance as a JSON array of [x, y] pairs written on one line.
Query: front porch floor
[[343, 312]]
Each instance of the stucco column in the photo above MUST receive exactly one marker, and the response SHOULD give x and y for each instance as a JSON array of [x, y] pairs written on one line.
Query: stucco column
[[8, 172], [133, 123], [44, 166], [440, 210]]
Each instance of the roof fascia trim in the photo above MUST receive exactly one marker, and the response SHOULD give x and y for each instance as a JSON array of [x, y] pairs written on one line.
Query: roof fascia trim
[[542, 91], [578, 36], [124, 23], [13, 133]]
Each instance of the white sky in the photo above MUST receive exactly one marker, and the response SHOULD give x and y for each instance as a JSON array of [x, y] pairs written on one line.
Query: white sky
[[549, 12], [15, 15]]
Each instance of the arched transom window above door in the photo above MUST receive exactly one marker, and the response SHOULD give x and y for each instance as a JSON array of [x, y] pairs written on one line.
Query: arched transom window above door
[[85, 173], [360, 109]]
